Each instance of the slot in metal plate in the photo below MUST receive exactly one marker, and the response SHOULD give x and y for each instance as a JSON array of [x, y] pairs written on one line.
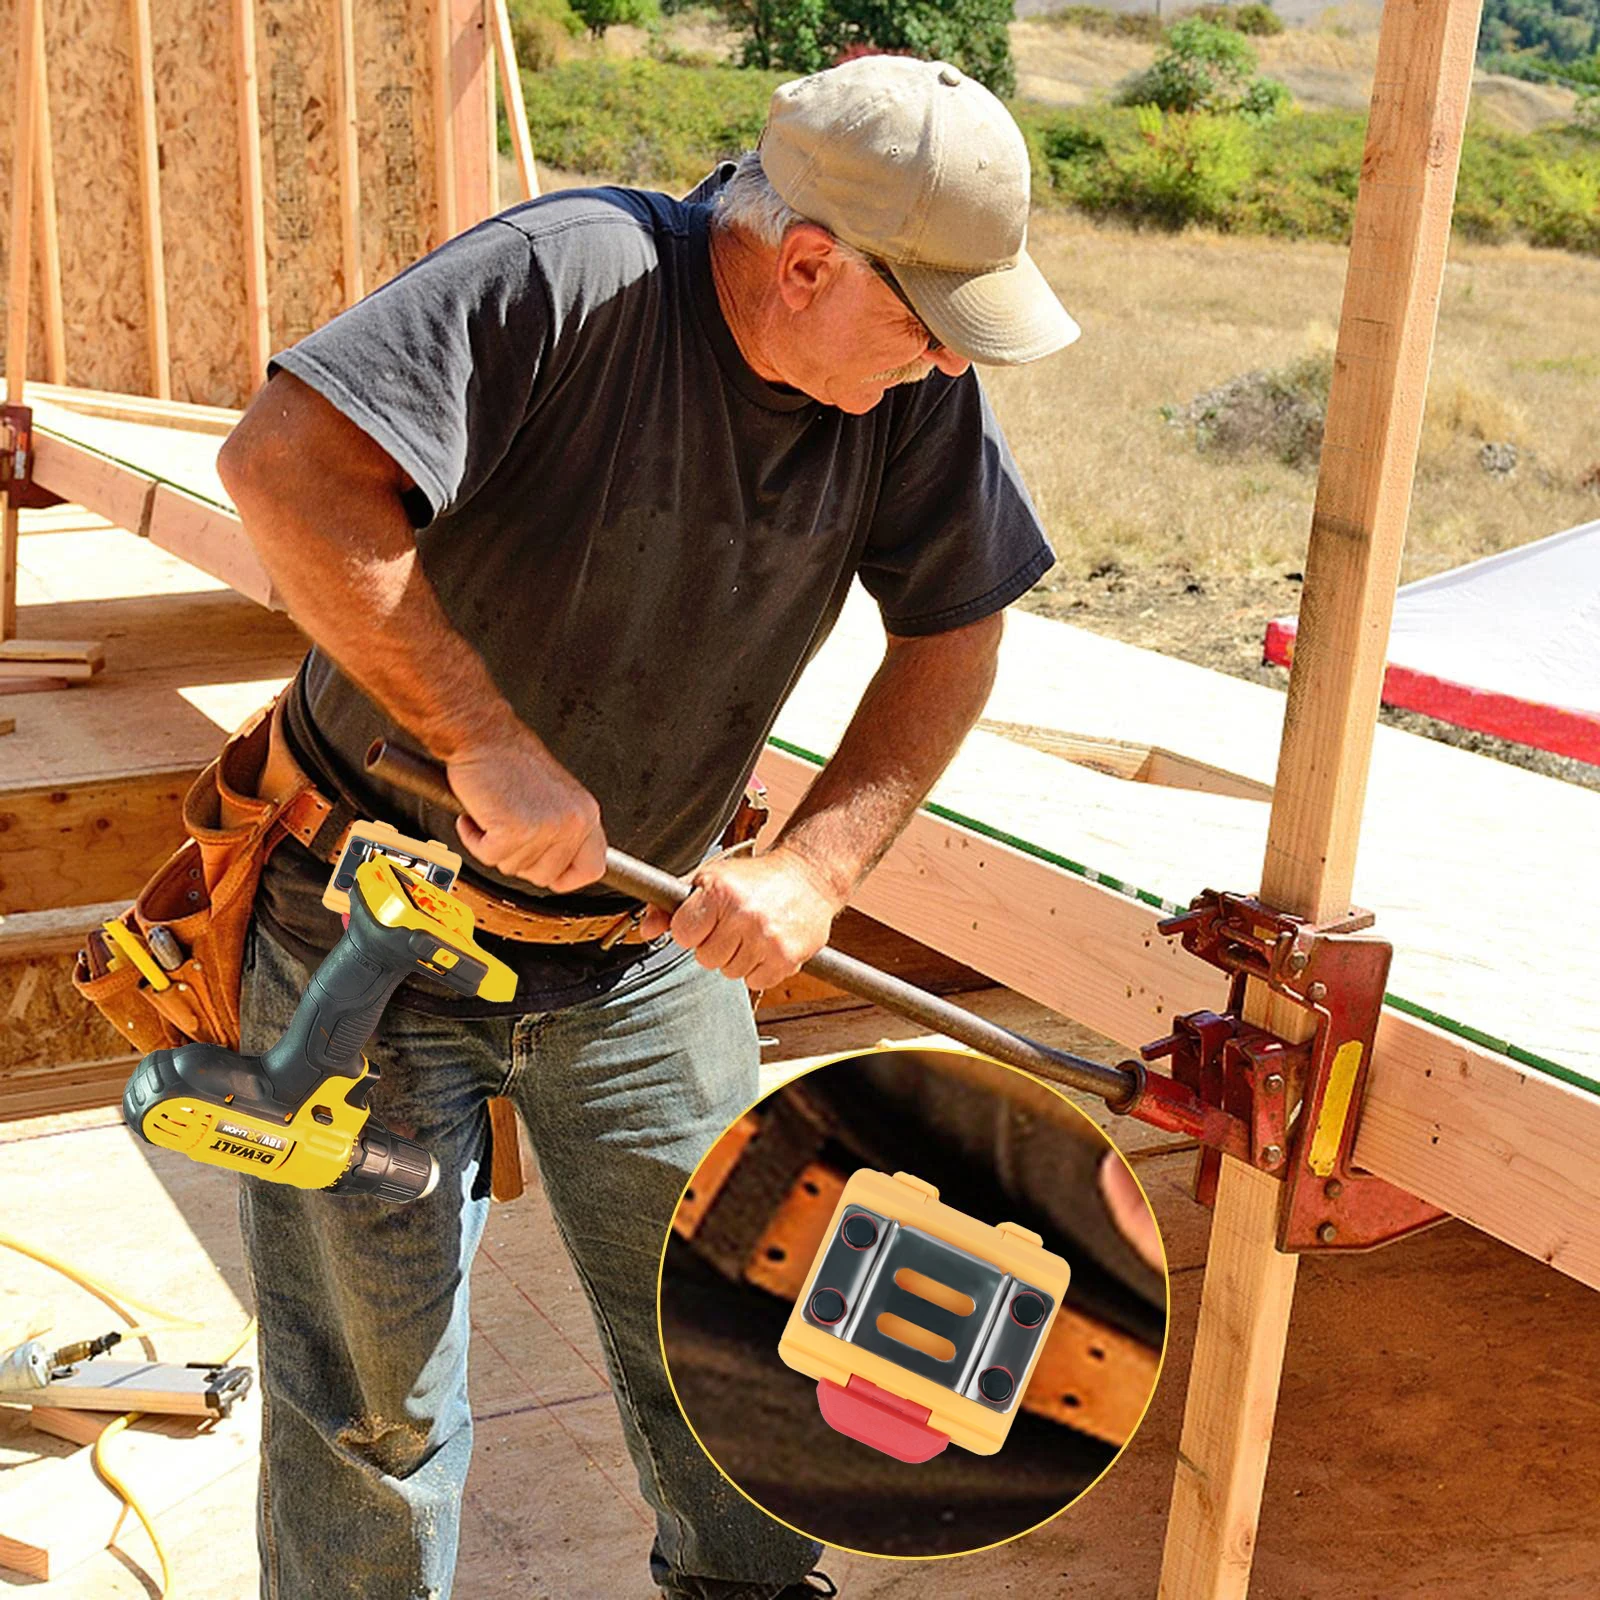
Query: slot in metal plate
[[987, 1337]]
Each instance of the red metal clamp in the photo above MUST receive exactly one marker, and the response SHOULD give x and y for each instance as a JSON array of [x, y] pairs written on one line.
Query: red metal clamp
[[1288, 1109], [16, 460]]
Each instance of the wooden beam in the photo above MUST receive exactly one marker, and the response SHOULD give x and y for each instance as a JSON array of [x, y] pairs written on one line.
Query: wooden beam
[[55, 332], [1512, 1140], [204, 535], [137, 408], [29, 32], [1402, 228], [258, 330], [149, 157], [505, 50], [346, 139], [441, 69], [83, 843]]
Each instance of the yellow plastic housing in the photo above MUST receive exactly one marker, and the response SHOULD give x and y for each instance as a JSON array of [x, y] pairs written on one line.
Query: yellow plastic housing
[[916, 1204]]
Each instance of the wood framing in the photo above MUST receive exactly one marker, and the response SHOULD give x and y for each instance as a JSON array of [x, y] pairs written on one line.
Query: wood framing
[[155, 268], [1401, 231], [348, 140], [505, 51], [205, 535], [258, 331], [1512, 1140], [29, 53], [55, 333], [444, 142]]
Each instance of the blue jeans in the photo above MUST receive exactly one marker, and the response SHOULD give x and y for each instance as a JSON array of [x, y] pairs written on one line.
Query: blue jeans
[[363, 1305]]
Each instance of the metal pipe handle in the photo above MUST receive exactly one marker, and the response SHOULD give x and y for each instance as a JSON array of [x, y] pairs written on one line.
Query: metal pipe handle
[[405, 769]]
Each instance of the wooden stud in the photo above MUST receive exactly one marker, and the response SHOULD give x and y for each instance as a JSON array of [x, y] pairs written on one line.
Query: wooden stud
[[349, 147], [1391, 302], [505, 50], [149, 157], [179, 414], [258, 330], [55, 332], [30, 28], [444, 145]]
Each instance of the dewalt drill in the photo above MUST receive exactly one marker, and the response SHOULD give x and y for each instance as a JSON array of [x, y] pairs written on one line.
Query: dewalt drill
[[299, 1113]]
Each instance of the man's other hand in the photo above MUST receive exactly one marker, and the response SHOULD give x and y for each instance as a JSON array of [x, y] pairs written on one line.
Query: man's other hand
[[525, 815], [759, 918]]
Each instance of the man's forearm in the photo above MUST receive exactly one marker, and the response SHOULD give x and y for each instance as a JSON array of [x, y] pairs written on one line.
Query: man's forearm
[[918, 708]]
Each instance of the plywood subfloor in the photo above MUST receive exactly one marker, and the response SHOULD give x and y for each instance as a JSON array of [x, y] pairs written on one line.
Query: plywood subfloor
[[1479, 872], [1422, 1448], [186, 658]]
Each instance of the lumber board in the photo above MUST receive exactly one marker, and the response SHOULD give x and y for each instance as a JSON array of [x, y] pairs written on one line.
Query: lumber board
[[149, 156], [27, 934], [441, 40], [505, 50], [81, 843], [61, 1513], [135, 408], [1438, 820], [52, 306], [347, 137], [1094, 955], [247, 88], [1402, 227]]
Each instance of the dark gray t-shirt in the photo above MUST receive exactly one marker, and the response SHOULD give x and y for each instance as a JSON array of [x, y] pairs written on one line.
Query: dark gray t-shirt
[[645, 541]]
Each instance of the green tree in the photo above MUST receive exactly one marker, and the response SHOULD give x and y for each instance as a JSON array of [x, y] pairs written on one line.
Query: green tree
[[1203, 67], [598, 15], [808, 35]]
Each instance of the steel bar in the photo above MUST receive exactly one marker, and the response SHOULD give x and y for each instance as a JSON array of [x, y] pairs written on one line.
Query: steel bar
[[1120, 1086]]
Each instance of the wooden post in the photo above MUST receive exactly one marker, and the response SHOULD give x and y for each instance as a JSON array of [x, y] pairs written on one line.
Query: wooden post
[[30, 30], [345, 136], [444, 142], [258, 330], [55, 334], [516, 111], [1402, 227], [471, 112], [155, 268]]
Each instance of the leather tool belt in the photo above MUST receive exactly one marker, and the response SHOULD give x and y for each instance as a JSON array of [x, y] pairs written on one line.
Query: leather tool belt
[[199, 903]]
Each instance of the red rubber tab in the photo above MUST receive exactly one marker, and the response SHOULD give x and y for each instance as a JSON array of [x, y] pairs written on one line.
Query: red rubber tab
[[872, 1416]]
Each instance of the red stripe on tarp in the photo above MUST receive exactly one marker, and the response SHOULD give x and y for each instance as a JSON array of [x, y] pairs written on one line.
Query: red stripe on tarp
[[1545, 727]]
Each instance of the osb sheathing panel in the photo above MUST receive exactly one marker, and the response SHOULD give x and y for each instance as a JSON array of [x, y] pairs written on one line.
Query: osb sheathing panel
[[202, 225], [88, 44]]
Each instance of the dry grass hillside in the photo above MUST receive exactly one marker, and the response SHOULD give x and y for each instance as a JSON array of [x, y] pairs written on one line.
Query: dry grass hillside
[[1327, 64]]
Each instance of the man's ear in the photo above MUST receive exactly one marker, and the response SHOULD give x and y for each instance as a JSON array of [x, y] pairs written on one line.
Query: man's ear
[[808, 261]]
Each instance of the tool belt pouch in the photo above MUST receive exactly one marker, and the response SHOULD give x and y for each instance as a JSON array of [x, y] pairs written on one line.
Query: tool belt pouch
[[202, 895]]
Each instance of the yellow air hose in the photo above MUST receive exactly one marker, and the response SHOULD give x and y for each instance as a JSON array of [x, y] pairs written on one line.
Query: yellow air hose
[[117, 1300]]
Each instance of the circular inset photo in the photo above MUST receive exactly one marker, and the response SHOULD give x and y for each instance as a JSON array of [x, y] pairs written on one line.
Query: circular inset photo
[[913, 1303]]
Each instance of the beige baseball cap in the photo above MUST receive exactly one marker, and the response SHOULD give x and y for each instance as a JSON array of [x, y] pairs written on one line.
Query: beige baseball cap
[[918, 165]]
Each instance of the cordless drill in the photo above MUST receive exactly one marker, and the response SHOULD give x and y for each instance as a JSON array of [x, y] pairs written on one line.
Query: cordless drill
[[300, 1112]]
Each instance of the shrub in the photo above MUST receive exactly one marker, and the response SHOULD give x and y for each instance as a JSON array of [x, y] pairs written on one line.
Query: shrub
[[1186, 167], [598, 15], [1259, 20], [1097, 19], [1203, 67], [539, 31]]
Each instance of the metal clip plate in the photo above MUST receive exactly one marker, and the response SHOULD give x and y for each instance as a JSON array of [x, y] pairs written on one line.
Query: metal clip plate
[[989, 1346]]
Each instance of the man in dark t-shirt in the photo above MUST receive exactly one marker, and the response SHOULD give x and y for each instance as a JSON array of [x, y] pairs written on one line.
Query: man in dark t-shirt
[[571, 503]]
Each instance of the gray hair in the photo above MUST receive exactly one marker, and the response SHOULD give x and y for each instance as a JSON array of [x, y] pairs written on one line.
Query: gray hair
[[748, 201]]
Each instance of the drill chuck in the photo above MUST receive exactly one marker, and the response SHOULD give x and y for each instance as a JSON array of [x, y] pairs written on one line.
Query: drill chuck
[[389, 1167]]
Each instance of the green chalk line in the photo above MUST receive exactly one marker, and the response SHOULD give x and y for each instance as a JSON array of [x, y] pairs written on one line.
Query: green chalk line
[[1461, 1030]]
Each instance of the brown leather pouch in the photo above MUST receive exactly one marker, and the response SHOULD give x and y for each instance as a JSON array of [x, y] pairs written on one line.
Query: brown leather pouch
[[202, 896]]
